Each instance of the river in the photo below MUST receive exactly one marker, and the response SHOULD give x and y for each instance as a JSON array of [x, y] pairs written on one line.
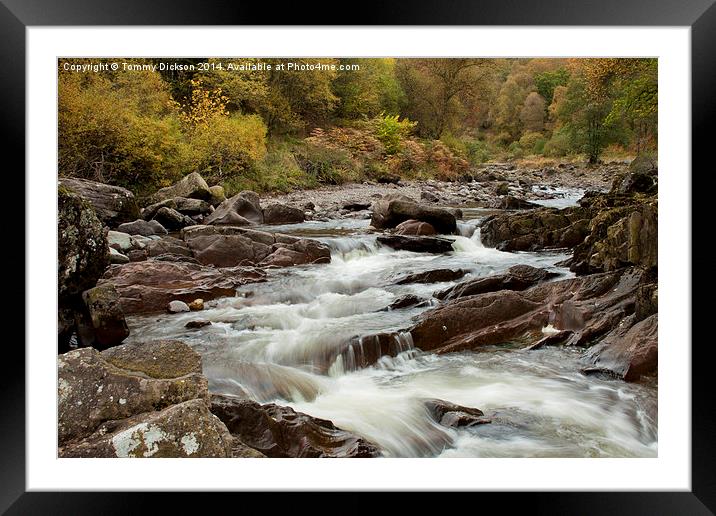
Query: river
[[286, 341]]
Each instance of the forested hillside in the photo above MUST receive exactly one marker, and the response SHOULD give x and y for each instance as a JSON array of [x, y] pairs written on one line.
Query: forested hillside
[[282, 124]]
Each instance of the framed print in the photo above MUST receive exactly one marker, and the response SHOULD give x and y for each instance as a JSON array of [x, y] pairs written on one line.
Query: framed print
[[429, 238]]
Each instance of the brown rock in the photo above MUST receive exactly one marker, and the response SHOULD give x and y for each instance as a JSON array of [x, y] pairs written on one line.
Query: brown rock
[[191, 186], [113, 205], [414, 227], [417, 244], [242, 209], [197, 304], [278, 431], [434, 276], [452, 415], [148, 286], [282, 214], [106, 316], [518, 277], [391, 210]]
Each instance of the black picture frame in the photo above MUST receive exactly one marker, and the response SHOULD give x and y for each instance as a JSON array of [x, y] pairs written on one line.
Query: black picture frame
[[700, 15]]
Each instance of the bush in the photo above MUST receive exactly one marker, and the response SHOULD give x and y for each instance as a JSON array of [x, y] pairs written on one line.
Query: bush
[[478, 152], [558, 145], [514, 150], [227, 147], [529, 141], [325, 165], [390, 131]]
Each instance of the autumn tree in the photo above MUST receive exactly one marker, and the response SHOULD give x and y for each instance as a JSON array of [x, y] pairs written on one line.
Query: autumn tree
[[368, 91], [532, 112]]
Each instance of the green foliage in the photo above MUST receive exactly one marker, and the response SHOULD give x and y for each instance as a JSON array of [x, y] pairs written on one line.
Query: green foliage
[[369, 90], [546, 82], [325, 165], [558, 145], [390, 130], [515, 150], [532, 142], [227, 146]]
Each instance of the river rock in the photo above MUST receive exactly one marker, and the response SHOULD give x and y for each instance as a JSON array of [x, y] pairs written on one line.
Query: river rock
[[429, 196], [278, 431], [242, 209], [541, 228], [518, 277], [172, 219], [176, 307], [510, 202], [183, 430], [356, 206], [117, 257], [433, 276], [282, 214], [415, 227], [502, 189], [301, 252], [196, 305], [391, 210], [124, 381], [197, 323], [113, 205], [620, 237], [406, 302], [417, 244], [168, 246], [217, 195], [148, 286], [630, 350], [83, 252], [122, 242], [191, 186], [589, 306], [106, 316], [455, 416], [142, 227]]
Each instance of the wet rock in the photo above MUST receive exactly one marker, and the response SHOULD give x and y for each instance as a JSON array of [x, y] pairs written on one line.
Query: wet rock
[[391, 210], [117, 257], [119, 241], [124, 381], [175, 307], [510, 202], [243, 209], [191, 186], [518, 277], [415, 227], [172, 219], [282, 214], [455, 416], [83, 252], [106, 316], [217, 195], [196, 305], [142, 227], [630, 350], [278, 431], [417, 244], [406, 302], [433, 276], [590, 307], [198, 323], [148, 286], [113, 205], [552, 339], [183, 430]]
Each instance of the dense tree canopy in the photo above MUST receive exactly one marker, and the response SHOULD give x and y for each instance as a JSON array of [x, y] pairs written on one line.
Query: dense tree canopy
[[263, 118]]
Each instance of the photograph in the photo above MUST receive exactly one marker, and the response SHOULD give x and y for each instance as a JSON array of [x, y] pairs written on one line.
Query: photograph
[[357, 257]]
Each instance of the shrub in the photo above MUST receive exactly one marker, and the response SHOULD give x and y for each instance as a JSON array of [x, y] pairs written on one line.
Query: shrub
[[514, 150], [390, 130], [558, 145], [226, 147], [325, 165], [478, 152]]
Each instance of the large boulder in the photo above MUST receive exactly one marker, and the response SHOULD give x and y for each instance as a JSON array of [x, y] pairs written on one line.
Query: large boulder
[[143, 228], [83, 252], [417, 244], [455, 416], [301, 252], [391, 210], [278, 431], [112, 204], [243, 209], [171, 219], [433, 276], [109, 328], [217, 195], [191, 186], [143, 399], [620, 237], [510, 202], [282, 214], [169, 246], [542, 228], [148, 286]]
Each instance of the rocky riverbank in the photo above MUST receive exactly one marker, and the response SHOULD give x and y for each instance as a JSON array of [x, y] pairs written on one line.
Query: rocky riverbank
[[188, 248]]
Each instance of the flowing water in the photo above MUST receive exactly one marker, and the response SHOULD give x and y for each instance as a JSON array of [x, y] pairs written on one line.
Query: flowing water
[[294, 340]]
